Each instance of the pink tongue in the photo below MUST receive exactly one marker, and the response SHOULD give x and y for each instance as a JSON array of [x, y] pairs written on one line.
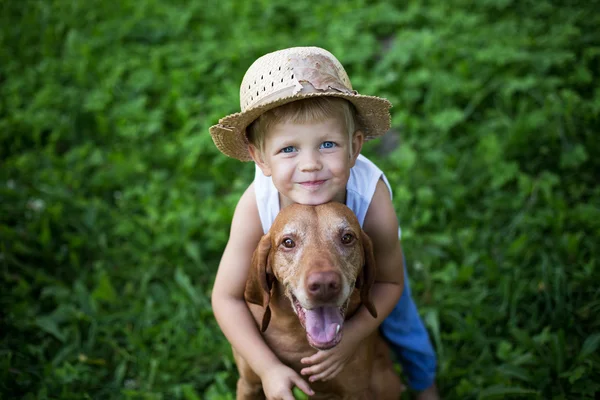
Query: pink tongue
[[322, 323]]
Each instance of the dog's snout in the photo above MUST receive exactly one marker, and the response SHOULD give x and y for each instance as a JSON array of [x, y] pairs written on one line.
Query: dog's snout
[[324, 285]]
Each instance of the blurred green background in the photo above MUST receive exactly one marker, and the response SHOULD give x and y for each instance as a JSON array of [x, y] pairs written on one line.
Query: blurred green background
[[115, 205]]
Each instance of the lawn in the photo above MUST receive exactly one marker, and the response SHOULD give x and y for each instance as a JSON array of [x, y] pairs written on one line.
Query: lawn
[[115, 205]]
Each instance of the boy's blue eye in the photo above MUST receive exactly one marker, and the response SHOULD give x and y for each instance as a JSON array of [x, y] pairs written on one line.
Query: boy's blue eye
[[288, 149], [327, 145]]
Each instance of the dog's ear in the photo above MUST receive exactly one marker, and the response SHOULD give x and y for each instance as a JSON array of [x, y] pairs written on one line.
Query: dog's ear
[[366, 276], [260, 279]]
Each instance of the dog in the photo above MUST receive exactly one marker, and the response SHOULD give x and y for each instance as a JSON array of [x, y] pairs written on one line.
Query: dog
[[311, 271]]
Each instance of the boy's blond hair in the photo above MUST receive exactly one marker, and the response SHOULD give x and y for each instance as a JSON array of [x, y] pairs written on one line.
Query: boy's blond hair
[[316, 109]]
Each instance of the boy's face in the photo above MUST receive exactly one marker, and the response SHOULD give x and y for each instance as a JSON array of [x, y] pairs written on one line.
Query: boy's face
[[309, 163]]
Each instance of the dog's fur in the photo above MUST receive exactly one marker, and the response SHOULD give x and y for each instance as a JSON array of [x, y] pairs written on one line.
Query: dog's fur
[[312, 270]]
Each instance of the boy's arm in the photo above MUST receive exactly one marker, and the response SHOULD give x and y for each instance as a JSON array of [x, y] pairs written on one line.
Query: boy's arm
[[381, 225], [231, 311]]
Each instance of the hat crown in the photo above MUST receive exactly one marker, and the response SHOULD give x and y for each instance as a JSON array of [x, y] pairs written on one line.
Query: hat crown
[[276, 74], [289, 75]]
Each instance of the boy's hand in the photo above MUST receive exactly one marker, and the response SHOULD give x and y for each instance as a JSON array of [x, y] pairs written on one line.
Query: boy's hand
[[326, 364], [278, 383]]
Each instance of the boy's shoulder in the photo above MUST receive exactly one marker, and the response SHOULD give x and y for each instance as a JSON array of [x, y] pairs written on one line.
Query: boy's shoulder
[[362, 162], [364, 175], [246, 217], [246, 205]]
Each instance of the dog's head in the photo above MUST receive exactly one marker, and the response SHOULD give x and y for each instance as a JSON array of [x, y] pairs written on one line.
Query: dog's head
[[318, 254]]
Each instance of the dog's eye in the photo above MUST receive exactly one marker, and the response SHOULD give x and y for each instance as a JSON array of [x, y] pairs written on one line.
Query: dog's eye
[[288, 243], [347, 238]]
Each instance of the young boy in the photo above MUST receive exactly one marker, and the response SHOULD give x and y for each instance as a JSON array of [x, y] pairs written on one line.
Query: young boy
[[304, 127]]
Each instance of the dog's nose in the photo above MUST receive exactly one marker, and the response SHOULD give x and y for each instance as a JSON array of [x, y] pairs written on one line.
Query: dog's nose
[[324, 286]]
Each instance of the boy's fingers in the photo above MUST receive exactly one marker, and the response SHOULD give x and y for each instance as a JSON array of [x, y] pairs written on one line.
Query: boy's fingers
[[302, 385], [316, 369], [309, 371], [334, 373], [325, 374], [314, 359]]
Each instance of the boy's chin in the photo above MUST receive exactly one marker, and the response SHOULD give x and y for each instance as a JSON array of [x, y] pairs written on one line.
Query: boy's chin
[[310, 200], [315, 201]]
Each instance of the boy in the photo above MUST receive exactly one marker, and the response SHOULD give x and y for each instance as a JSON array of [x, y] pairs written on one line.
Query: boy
[[304, 126]]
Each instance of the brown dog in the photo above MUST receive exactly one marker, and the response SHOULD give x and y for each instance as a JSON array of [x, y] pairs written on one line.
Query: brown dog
[[309, 273]]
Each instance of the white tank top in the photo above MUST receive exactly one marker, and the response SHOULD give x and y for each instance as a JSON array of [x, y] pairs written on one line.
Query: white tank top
[[359, 192]]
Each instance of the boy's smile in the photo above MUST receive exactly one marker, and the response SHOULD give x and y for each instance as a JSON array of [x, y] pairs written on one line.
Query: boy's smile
[[312, 184], [309, 162]]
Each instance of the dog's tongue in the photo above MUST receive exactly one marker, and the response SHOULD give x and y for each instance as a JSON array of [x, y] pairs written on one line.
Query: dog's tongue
[[322, 323]]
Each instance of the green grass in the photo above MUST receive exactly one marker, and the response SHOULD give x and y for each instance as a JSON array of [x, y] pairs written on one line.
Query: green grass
[[115, 205]]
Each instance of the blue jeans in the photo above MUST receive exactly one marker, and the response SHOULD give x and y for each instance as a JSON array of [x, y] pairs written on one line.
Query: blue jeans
[[409, 340]]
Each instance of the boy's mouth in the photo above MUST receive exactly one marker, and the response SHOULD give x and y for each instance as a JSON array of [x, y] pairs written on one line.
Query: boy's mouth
[[312, 184]]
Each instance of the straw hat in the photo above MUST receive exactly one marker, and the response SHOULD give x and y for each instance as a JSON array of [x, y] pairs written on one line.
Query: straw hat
[[291, 74]]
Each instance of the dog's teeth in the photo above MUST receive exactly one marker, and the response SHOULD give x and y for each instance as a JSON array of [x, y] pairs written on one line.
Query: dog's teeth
[[337, 330]]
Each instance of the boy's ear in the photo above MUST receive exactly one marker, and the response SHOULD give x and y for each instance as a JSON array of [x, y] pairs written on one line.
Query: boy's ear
[[257, 156], [357, 142]]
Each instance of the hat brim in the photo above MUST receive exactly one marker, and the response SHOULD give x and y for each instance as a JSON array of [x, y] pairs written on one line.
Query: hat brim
[[229, 135]]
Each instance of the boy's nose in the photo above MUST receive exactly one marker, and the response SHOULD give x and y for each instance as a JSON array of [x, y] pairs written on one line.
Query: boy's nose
[[310, 162]]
